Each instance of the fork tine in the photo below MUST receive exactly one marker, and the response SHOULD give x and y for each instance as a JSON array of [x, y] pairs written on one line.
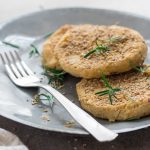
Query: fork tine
[[26, 68], [3, 60], [18, 64], [8, 69], [13, 67]]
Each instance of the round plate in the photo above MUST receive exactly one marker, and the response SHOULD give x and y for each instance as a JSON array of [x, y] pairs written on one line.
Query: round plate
[[15, 103]]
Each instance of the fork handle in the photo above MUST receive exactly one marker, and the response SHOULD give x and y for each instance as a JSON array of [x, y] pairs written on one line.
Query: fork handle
[[83, 118]]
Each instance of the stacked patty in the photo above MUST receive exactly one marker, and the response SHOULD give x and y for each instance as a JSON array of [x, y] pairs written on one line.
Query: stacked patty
[[49, 59], [92, 52], [131, 102]]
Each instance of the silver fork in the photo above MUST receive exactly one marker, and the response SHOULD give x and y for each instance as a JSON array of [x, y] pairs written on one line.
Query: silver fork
[[22, 76]]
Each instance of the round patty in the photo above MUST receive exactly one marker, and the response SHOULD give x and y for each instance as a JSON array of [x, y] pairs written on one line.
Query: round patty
[[132, 102], [49, 59], [123, 47]]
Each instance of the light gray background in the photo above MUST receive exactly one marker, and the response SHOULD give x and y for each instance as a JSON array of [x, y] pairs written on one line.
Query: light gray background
[[12, 8]]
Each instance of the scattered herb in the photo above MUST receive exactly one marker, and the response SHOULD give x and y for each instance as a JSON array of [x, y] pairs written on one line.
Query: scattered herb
[[33, 50], [131, 118], [110, 91], [43, 97], [46, 97], [10, 44], [55, 76], [139, 69], [98, 50]]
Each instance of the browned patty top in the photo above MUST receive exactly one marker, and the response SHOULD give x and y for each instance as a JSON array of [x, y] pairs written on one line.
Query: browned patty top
[[134, 86], [81, 39]]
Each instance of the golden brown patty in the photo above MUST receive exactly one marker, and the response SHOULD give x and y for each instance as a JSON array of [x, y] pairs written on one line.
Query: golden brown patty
[[128, 48], [133, 101], [48, 58]]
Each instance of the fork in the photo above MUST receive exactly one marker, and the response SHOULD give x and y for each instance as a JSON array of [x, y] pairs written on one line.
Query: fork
[[22, 76]]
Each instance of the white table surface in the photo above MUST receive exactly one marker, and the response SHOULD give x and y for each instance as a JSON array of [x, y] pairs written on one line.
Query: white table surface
[[13, 8]]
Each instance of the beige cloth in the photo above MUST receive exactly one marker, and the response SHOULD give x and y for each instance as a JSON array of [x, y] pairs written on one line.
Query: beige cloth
[[9, 141]]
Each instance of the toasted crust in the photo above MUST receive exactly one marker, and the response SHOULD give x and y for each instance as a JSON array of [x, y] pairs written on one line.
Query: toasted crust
[[48, 57], [82, 38], [133, 101]]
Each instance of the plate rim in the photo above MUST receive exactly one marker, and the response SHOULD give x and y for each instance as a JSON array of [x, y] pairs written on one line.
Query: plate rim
[[4, 23], [31, 124]]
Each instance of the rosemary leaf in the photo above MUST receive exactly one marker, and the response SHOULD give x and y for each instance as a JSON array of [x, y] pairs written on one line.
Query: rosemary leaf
[[11, 45], [105, 91], [131, 119], [55, 76], [110, 99], [116, 89], [47, 97], [139, 69], [105, 81], [43, 98], [99, 50], [110, 91], [33, 51]]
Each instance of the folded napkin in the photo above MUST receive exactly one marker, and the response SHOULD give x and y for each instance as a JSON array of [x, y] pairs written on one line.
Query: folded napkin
[[9, 141]]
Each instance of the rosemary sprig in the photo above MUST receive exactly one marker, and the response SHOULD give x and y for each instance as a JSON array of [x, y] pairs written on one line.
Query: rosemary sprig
[[55, 76], [110, 91], [139, 69], [10, 44], [99, 50], [33, 51]]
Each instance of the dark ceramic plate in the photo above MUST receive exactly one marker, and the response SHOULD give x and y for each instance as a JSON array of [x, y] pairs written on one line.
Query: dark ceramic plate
[[14, 102]]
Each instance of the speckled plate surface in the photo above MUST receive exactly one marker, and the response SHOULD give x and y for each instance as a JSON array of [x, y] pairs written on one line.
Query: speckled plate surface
[[15, 103]]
